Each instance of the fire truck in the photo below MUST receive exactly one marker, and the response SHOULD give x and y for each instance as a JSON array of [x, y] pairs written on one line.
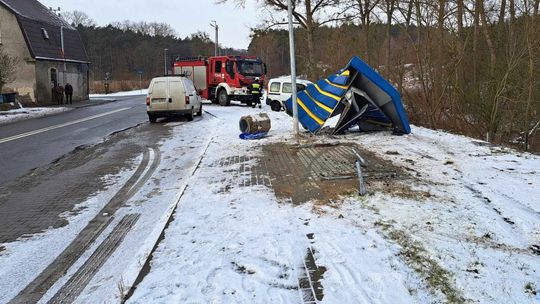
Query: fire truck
[[225, 78]]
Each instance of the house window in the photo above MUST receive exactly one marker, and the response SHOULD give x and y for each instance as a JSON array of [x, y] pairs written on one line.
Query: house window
[[45, 33]]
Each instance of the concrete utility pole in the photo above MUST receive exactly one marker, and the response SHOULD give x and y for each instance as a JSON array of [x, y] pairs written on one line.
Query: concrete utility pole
[[293, 71], [165, 61], [216, 47]]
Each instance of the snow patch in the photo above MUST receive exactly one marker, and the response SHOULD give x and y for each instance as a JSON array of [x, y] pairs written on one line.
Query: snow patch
[[119, 94], [28, 113]]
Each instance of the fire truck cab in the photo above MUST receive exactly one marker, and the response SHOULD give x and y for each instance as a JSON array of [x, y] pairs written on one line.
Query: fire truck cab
[[225, 78]]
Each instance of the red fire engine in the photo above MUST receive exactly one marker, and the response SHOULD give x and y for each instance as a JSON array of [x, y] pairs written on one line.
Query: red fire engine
[[225, 78]]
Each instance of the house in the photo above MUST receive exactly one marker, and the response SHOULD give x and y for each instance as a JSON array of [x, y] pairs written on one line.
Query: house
[[50, 51]]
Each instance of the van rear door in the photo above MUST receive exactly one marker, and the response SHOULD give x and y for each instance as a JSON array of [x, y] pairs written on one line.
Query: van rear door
[[158, 95], [176, 94]]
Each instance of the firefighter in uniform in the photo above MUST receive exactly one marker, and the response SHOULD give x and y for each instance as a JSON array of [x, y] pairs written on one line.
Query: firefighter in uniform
[[256, 91]]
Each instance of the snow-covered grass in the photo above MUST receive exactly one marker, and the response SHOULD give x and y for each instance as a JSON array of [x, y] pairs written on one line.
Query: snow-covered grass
[[27, 113], [120, 94], [482, 219]]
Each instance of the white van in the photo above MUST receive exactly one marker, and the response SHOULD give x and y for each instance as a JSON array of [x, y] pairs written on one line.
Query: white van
[[280, 89], [172, 96]]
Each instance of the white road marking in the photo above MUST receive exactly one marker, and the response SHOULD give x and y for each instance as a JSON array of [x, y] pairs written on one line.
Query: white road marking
[[15, 137]]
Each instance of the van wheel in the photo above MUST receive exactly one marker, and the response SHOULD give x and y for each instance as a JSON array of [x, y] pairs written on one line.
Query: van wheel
[[200, 111], [223, 98], [190, 116], [275, 106], [152, 118]]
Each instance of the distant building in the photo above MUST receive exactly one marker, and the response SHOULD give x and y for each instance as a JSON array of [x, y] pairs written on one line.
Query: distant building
[[31, 32]]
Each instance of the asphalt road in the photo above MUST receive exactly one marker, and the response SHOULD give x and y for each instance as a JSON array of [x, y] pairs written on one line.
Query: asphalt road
[[33, 143]]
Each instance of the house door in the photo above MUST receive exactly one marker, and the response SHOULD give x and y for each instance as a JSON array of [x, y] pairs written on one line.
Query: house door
[[53, 82], [54, 77]]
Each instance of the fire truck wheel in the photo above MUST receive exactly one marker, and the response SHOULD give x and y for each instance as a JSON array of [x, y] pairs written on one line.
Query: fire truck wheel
[[223, 98]]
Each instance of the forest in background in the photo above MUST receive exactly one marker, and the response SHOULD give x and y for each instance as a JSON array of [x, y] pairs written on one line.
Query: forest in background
[[132, 53]]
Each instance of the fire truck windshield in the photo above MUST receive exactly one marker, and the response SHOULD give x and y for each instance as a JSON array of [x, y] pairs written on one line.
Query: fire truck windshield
[[250, 68]]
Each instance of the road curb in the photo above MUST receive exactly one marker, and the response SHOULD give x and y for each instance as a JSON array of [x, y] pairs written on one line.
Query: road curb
[[96, 103]]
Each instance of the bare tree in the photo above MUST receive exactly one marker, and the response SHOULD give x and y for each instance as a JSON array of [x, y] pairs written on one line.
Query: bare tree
[[8, 67], [77, 18], [365, 12], [487, 35], [146, 28], [161, 29], [389, 8], [310, 15]]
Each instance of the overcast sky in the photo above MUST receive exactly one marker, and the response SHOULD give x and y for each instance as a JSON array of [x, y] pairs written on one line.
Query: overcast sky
[[185, 16]]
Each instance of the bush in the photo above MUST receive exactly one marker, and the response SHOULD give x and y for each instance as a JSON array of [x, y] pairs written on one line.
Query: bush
[[8, 66]]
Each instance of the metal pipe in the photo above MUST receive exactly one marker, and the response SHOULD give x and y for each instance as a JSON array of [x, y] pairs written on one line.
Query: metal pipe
[[63, 53], [216, 42], [360, 158], [165, 61], [293, 71], [362, 187]]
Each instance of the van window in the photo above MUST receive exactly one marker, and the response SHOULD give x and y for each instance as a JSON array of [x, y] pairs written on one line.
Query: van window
[[287, 87], [218, 66], [190, 89], [275, 86]]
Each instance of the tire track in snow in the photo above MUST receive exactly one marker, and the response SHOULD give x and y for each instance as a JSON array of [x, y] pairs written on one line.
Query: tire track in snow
[[34, 291]]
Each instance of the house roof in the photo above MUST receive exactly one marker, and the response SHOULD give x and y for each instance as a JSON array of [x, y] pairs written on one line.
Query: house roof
[[35, 20]]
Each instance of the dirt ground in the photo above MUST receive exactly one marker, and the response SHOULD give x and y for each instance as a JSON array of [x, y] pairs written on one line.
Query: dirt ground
[[326, 172]]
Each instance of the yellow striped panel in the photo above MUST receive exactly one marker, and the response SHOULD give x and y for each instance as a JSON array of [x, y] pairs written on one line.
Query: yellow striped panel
[[317, 119], [321, 105], [336, 85], [326, 93]]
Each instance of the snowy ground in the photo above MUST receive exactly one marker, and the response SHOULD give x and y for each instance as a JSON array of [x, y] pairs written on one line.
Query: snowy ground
[[119, 94], [471, 237], [27, 113]]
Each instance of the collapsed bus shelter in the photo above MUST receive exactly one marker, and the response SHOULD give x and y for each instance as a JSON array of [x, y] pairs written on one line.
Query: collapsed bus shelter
[[356, 95]]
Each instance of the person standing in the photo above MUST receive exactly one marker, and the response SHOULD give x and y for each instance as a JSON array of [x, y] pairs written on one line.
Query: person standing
[[69, 93], [60, 94]]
